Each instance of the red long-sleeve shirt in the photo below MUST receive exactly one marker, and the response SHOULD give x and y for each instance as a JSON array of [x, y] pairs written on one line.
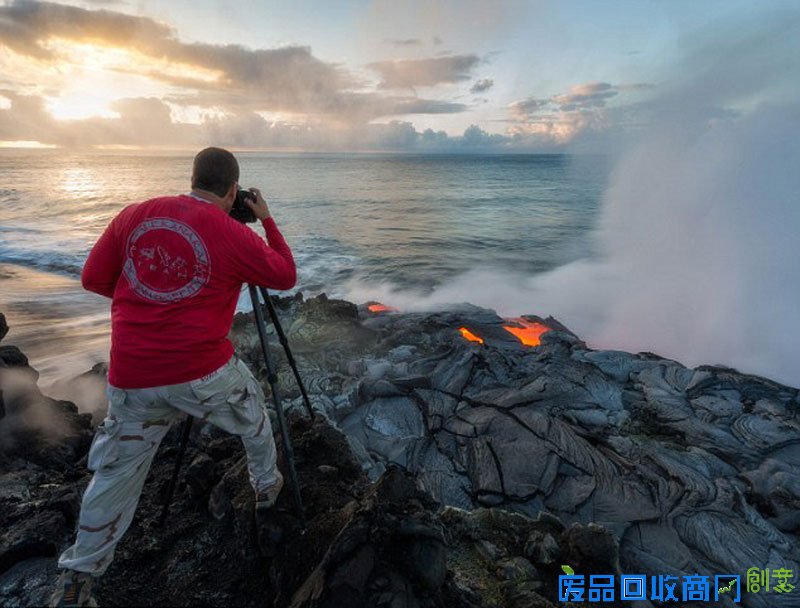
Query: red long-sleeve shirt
[[174, 267]]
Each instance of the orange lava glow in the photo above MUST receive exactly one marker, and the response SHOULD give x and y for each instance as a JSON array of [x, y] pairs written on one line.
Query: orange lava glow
[[530, 334], [469, 335], [380, 308]]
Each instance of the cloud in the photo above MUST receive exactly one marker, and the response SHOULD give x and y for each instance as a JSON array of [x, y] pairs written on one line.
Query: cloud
[[522, 109], [636, 86], [252, 130], [564, 117], [475, 137], [227, 88], [589, 95], [561, 127], [707, 88], [148, 122], [140, 121], [426, 106], [344, 109], [403, 41], [27, 26], [286, 79], [410, 73], [484, 84], [26, 119], [289, 77]]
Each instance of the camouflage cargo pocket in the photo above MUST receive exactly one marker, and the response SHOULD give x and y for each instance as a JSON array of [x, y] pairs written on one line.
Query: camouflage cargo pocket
[[245, 408], [105, 445]]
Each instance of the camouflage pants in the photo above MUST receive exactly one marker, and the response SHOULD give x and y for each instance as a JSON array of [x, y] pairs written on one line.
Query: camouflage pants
[[124, 446]]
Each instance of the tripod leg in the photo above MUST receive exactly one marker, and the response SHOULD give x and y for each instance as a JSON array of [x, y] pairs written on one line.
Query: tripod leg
[[187, 429], [272, 378], [285, 343]]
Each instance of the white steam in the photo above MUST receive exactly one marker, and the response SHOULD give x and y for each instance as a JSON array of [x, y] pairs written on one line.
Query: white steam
[[699, 233], [26, 411]]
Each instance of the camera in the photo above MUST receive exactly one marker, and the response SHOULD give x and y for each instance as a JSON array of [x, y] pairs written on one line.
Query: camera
[[240, 211]]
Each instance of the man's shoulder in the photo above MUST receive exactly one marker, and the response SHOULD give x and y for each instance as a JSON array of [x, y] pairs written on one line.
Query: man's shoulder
[[199, 215], [134, 212], [162, 200], [147, 203], [159, 205]]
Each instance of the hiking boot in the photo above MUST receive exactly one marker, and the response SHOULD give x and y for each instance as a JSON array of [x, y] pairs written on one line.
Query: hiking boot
[[74, 590], [265, 499]]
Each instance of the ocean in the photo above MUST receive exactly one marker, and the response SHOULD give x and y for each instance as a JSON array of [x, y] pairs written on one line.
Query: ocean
[[358, 224]]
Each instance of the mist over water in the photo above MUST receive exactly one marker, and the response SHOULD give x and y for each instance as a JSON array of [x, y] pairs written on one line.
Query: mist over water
[[700, 233]]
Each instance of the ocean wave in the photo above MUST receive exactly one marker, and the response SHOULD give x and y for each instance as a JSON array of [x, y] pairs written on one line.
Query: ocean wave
[[13, 229], [315, 269], [49, 261]]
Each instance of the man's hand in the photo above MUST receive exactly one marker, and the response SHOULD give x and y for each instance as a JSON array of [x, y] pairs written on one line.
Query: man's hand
[[259, 208]]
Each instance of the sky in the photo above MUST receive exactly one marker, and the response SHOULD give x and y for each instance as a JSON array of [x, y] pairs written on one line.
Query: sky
[[423, 75]]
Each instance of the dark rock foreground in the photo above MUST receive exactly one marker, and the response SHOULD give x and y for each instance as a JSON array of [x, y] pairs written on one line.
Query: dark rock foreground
[[440, 472]]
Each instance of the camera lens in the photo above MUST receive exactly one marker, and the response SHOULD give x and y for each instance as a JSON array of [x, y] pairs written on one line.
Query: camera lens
[[240, 211]]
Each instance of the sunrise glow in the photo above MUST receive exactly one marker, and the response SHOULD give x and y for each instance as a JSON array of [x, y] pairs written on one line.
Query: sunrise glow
[[394, 77]]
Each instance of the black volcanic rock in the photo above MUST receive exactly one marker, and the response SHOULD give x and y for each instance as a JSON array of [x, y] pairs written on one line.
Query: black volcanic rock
[[3, 326], [88, 388], [11, 356], [42, 431], [440, 472], [683, 467]]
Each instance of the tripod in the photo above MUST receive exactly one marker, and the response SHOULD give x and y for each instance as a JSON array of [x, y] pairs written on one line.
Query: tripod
[[272, 378]]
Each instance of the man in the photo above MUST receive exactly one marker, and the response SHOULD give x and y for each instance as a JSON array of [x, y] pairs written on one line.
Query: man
[[174, 268]]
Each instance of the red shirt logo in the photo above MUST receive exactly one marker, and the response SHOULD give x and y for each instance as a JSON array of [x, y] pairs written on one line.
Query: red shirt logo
[[166, 261]]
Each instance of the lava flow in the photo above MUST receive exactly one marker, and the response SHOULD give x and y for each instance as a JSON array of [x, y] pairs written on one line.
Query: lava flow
[[530, 333], [378, 307], [469, 335]]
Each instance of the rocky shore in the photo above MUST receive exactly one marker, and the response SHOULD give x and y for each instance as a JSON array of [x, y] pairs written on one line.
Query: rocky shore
[[450, 465]]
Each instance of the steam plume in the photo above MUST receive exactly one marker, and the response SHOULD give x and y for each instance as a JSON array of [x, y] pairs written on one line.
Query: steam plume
[[698, 234]]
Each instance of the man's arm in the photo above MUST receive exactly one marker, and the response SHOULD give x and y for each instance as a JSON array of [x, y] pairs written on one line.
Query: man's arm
[[274, 267], [266, 265], [104, 264]]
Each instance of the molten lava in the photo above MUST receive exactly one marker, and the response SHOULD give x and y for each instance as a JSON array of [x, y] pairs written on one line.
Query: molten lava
[[530, 333], [469, 335], [381, 308]]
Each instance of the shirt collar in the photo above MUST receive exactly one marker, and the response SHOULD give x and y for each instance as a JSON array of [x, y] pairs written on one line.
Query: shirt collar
[[193, 195]]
